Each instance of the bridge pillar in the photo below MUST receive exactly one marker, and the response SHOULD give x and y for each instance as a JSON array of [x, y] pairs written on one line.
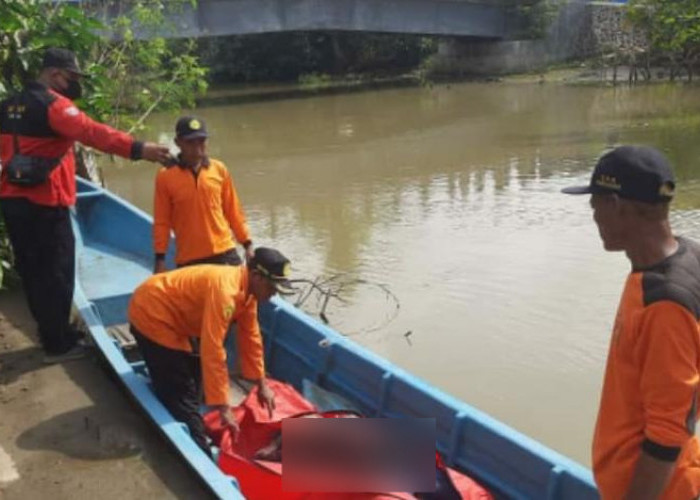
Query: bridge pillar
[[570, 36], [459, 57]]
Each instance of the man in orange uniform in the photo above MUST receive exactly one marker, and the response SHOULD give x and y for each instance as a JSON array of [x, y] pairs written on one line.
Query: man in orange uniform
[[644, 444], [197, 199], [38, 129], [202, 301]]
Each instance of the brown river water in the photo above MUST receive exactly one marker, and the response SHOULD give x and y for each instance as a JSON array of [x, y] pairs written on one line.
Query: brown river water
[[449, 197]]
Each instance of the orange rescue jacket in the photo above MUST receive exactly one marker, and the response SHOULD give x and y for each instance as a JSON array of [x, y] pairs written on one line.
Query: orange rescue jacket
[[201, 209], [649, 401], [202, 301]]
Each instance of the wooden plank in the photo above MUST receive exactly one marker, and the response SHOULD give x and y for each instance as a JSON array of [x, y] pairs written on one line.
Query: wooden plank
[[122, 334]]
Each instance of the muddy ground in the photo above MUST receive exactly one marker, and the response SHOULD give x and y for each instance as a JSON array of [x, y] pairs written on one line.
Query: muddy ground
[[70, 432]]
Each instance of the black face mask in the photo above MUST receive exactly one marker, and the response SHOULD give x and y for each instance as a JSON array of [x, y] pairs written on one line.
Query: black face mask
[[74, 90]]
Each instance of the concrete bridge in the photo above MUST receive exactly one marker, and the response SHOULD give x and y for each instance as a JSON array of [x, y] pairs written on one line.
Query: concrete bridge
[[484, 20]]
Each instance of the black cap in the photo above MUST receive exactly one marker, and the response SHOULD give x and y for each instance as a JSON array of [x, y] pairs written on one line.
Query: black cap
[[636, 173], [273, 265], [61, 59], [190, 127]]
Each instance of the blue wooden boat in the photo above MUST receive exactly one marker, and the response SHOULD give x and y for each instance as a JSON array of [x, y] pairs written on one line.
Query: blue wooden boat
[[113, 239]]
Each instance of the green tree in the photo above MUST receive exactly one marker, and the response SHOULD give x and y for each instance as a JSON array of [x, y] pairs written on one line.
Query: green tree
[[536, 16], [130, 77], [673, 29], [134, 76], [28, 26]]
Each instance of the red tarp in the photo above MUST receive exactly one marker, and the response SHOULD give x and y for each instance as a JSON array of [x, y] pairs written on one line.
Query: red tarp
[[262, 480]]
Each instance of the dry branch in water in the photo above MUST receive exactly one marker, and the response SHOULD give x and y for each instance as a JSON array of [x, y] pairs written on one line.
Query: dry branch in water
[[327, 290]]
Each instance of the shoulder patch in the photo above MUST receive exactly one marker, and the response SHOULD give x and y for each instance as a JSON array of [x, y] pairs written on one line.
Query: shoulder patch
[[677, 279], [228, 311]]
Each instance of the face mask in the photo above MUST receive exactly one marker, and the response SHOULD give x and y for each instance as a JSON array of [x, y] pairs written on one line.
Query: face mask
[[74, 90]]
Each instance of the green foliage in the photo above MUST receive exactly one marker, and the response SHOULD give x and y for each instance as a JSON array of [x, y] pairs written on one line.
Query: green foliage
[[27, 26], [297, 56], [315, 80], [130, 76], [672, 26], [135, 75], [536, 16]]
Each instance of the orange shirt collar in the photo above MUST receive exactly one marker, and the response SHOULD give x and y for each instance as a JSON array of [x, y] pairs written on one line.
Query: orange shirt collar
[[183, 165]]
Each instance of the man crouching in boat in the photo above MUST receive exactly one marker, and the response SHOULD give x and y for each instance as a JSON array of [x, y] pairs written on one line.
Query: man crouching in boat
[[202, 301]]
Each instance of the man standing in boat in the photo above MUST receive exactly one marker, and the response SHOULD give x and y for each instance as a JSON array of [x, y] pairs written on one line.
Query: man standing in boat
[[168, 309], [197, 199], [38, 129], [644, 444]]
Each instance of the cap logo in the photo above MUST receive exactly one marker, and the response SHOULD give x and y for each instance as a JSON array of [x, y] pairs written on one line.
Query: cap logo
[[195, 125], [666, 189], [609, 182], [286, 270]]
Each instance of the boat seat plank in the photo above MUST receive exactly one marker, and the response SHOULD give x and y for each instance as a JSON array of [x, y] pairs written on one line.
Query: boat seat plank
[[238, 388], [122, 335]]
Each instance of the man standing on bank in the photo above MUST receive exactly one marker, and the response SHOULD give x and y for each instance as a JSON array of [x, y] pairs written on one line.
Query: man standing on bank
[[644, 445], [168, 309], [38, 129], [196, 198]]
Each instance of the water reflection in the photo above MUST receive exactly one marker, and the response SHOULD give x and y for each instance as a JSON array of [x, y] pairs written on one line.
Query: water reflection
[[450, 196]]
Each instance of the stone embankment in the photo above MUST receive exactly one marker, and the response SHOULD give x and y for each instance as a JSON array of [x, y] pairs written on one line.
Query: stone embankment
[[580, 30]]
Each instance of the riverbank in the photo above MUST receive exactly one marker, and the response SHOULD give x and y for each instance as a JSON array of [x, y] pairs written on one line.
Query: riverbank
[[591, 73], [577, 73], [68, 432], [313, 85]]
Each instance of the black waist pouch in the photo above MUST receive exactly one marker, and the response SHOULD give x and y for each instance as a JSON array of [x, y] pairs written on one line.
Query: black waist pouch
[[26, 170]]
